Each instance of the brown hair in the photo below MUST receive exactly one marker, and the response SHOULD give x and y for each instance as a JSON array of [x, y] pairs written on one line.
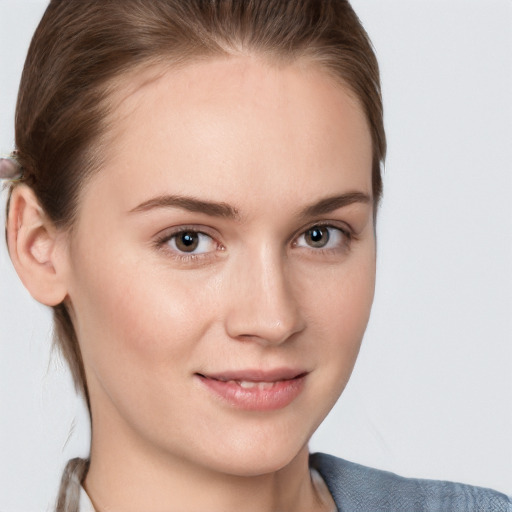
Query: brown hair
[[82, 48]]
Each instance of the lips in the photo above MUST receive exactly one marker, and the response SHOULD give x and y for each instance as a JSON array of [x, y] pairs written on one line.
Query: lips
[[254, 389], [274, 375]]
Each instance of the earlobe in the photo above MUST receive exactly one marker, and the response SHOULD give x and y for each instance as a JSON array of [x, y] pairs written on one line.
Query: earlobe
[[36, 248]]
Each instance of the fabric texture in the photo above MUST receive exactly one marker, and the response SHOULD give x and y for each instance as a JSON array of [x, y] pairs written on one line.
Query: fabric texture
[[357, 488]]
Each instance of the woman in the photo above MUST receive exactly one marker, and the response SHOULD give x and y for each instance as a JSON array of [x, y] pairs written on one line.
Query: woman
[[197, 197]]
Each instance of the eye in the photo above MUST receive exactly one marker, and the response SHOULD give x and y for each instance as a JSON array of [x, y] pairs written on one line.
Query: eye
[[191, 242], [323, 237]]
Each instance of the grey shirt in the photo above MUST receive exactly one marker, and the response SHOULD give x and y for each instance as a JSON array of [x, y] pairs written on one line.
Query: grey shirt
[[357, 488]]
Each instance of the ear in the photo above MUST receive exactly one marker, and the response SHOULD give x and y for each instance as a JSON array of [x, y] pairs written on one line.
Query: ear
[[37, 248]]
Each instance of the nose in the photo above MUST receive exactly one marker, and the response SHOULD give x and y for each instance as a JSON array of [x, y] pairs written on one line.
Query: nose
[[263, 306]]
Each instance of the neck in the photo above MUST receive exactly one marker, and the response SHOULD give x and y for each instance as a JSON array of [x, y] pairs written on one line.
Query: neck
[[134, 485], [130, 475]]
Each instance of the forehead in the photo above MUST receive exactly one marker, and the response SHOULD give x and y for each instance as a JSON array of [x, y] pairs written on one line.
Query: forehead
[[236, 126]]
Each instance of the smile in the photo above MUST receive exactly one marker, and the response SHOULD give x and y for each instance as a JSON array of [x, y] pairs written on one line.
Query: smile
[[255, 391]]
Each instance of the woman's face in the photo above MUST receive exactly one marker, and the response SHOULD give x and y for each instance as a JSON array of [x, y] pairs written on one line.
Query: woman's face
[[221, 272]]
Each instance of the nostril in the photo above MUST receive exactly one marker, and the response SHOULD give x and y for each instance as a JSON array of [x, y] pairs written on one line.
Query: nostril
[[264, 308]]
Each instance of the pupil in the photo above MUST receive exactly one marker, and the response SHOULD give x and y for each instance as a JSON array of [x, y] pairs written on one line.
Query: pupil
[[187, 239], [318, 236], [187, 242]]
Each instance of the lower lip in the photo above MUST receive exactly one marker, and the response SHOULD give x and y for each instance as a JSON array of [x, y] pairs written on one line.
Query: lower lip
[[281, 394]]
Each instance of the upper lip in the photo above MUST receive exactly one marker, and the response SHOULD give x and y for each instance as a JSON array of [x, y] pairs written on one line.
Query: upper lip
[[255, 375]]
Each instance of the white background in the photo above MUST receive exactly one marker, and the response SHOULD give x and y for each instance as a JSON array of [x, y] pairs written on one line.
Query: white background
[[431, 395]]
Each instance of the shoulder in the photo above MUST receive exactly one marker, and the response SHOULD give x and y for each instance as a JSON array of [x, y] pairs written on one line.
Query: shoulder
[[357, 488]]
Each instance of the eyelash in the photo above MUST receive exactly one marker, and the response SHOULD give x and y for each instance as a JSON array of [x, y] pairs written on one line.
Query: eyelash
[[163, 241], [163, 244], [346, 232]]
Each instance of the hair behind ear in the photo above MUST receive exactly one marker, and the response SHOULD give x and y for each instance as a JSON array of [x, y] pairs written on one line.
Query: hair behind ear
[[66, 341], [38, 250]]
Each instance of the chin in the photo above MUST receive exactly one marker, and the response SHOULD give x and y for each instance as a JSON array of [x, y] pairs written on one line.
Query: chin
[[256, 455], [253, 464]]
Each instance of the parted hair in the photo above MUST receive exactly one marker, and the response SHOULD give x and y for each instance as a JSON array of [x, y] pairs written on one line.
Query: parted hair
[[83, 49]]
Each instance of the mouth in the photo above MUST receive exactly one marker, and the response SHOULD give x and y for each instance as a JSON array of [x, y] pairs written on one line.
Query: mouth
[[256, 390]]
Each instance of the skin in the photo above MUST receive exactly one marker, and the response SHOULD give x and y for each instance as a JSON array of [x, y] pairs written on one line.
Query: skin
[[270, 142]]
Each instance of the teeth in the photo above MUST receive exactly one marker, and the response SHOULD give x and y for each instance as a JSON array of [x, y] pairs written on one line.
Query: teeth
[[250, 385], [246, 384]]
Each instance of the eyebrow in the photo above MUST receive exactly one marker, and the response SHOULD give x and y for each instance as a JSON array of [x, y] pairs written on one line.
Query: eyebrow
[[221, 209], [191, 204], [330, 204]]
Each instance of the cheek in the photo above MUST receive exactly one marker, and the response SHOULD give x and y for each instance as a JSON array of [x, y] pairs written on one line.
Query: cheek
[[341, 297], [131, 311], [338, 309]]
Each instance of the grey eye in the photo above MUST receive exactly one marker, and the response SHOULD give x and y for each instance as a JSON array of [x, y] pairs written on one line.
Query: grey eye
[[317, 236], [323, 237]]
